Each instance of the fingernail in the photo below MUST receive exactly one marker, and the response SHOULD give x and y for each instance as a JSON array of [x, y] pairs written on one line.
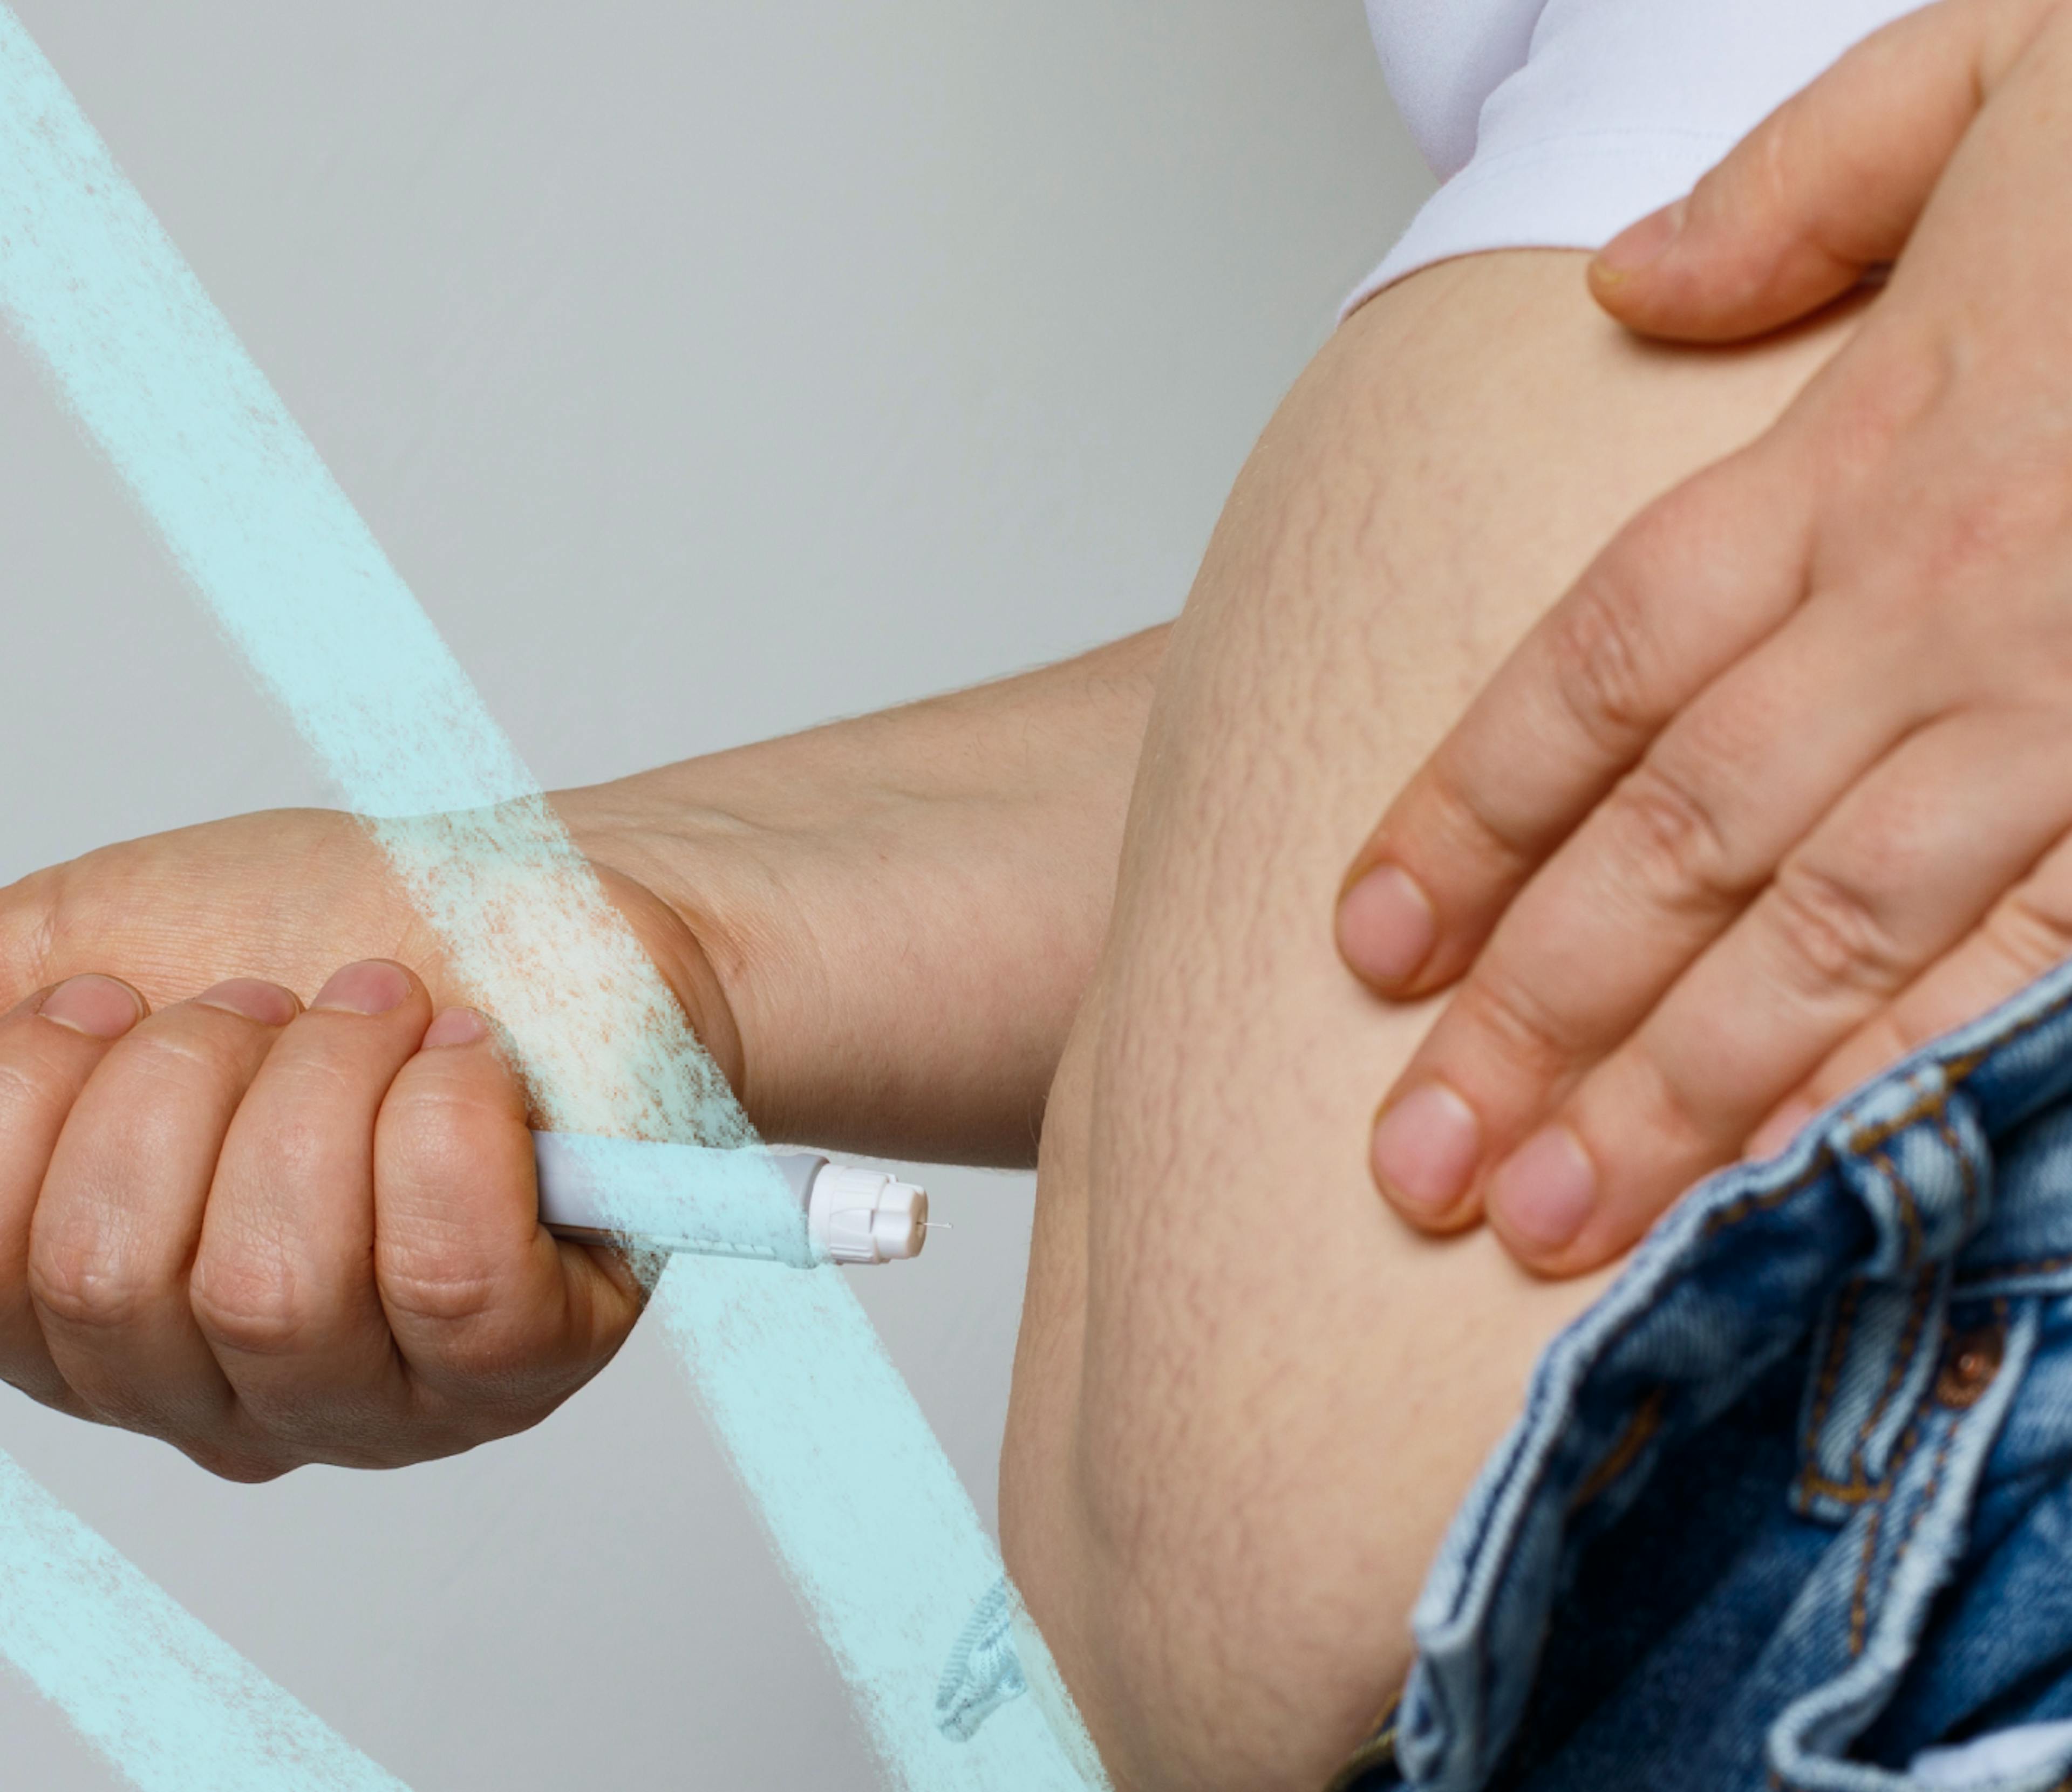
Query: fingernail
[[1781, 1127], [373, 986], [267, 1003], [96, 1006], [1385, 926], [1643, 244], [1545, 1189], [456, 1027], [1424, 1148]]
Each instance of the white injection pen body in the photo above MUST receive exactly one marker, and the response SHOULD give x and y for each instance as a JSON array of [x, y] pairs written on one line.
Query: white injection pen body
[[783, 1206]]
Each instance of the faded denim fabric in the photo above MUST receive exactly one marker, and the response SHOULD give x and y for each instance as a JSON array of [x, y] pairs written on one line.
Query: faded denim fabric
[[1790, 1507]]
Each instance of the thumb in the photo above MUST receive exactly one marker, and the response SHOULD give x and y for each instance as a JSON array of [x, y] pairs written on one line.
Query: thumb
[[1825, 188]]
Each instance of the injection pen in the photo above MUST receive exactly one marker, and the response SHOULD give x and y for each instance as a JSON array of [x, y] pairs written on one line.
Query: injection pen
[[785, 1206]]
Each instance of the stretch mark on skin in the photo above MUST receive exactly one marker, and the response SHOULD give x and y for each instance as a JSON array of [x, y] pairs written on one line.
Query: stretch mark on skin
[[877, 1535]]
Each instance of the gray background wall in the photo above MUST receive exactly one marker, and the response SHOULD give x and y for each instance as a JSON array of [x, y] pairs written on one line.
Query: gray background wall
[[709, 370]]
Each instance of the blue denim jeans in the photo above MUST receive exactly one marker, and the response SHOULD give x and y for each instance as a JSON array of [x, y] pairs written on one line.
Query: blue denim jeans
[[1790, 1507]]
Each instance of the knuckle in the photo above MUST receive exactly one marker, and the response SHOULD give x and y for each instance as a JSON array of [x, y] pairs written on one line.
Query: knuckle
[[1451, 822], [1597, 647], [250, 1300], [1515, 1029], [2032, 927], [1831, 932], [1683, 1124], [440, 1281], [29, 910], [1670, 835], [86, 1285]]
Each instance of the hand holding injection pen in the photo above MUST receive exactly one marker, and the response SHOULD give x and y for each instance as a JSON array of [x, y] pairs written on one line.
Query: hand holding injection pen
[[790, 1207]]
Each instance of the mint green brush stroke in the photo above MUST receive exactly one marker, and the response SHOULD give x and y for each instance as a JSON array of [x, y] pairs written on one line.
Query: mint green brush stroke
[[876, 1533], [176, 1708]]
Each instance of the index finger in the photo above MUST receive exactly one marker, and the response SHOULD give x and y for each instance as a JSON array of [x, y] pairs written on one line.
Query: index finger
[[51, 1042], [497, 1319], [1687, 588]]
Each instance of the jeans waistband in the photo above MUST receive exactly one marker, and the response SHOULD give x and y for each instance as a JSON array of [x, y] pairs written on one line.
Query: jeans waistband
[[1897, 1229]]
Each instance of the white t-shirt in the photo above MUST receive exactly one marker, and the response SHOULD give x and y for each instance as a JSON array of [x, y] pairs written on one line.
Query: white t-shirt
[[1557, 123]]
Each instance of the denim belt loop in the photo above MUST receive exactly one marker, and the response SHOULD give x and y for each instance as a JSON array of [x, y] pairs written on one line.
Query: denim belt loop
[[1878, 1322], [1923, 1174], [1904, 1542]]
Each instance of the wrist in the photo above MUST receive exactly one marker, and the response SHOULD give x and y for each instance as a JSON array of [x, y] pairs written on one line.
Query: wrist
[[883, 927], [682, 922]]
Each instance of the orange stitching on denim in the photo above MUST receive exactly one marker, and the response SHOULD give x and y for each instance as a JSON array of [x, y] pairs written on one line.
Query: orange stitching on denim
[[1831, 1374], [1931, 1107], [1859, 1488], [1859, 1599], [1376, 1749], [1966, 1213], [1910, 1340], [1927, 1493], [1956, 1071], [1645, 1420], [1812, 1480], [1910, 1207], [1857, 1491], [1928, 1107]]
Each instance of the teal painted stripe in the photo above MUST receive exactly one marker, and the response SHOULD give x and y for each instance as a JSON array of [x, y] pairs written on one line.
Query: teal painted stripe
[[873, 1527], [165, 1701]]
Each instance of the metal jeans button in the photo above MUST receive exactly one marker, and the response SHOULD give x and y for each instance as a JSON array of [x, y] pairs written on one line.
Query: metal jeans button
[[1970, 1362]]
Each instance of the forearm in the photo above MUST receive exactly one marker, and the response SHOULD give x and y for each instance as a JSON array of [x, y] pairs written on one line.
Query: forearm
[[901, 909], [880, 929], [1247, 1399]]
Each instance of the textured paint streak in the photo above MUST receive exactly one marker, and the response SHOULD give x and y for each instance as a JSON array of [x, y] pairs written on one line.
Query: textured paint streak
[[171, 1705], [877, 1534]]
